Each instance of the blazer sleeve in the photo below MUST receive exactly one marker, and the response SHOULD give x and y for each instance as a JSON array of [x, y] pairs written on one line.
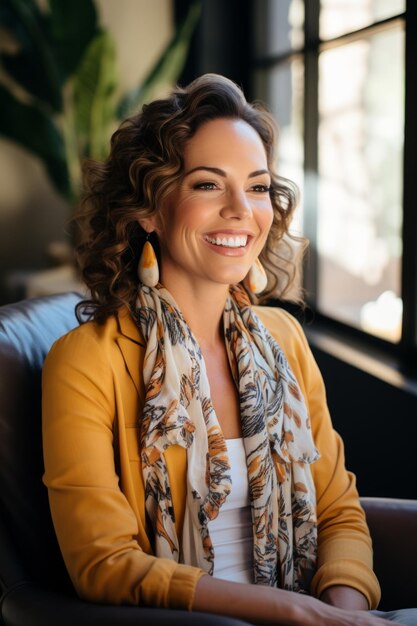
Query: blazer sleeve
[[344, 543], [96, 528]]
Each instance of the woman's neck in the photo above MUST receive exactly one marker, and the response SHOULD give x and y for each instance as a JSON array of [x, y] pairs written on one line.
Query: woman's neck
[[202, 307]]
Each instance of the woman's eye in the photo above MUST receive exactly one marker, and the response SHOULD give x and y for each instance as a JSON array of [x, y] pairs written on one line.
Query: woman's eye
[[205, 186], [261, 188]]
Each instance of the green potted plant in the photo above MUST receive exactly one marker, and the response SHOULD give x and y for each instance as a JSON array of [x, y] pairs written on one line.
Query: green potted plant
[[58, 92]]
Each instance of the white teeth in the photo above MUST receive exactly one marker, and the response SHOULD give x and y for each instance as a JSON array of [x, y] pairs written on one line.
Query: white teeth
[[229, 242]]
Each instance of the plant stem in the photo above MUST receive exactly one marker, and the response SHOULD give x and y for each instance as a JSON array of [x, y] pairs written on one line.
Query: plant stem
[[67, 124]]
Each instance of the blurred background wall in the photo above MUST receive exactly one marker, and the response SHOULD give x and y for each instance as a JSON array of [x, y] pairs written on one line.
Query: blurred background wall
[[32, 214]]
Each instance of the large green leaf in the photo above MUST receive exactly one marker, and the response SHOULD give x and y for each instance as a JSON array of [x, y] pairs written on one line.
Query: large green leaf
[[94, 87], [168, 67], [72, 26], [32, 129], [34, 66]]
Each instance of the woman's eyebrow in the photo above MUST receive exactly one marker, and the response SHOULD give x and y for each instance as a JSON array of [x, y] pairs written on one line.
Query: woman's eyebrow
[[258, 173], [216, 170]]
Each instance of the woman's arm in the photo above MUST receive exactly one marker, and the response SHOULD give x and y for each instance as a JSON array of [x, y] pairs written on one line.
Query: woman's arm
[[96, 527], [344, 543], [344, 576], [267, 605]]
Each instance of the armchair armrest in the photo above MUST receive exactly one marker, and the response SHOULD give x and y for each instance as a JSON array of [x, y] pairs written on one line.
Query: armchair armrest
[[393, 526], [27, 604]]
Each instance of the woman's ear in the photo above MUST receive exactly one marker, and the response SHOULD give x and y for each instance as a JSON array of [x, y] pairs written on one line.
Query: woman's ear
[[148, 223]]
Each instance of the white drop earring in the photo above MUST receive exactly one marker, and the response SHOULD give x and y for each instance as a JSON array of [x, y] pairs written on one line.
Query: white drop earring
[[148, 270], [256, 279]]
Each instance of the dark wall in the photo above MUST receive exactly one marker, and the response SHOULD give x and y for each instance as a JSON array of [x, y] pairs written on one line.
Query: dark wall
[[222, 42], [378, 423]]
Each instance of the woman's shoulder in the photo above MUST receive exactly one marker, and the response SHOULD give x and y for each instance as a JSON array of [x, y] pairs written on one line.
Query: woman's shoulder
[[289, 335], [91, 339], [89, 332], [283, 326]]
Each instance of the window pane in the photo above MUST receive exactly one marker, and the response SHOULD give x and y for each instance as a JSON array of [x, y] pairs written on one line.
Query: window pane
[[278, 26], [361, 104], [338, 17], [282, 89]]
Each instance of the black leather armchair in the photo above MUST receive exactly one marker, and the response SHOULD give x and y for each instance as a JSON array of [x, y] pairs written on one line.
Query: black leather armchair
[[35, 587]]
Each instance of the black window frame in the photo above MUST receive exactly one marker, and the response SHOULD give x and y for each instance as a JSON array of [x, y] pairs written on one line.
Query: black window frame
[[402, 355]]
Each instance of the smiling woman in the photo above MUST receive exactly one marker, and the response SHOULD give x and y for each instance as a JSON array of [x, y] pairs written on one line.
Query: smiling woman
[[214, 225], [189, 454], [146, 169]]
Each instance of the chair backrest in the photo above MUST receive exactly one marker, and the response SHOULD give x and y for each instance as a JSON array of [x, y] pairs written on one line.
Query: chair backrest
[[28, 547], [393, 524]]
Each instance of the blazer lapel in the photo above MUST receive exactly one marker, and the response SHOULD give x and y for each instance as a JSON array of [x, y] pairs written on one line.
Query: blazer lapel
[[132, 347]]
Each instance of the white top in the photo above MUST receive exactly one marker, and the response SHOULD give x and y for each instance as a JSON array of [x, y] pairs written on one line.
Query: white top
[[231, 531]]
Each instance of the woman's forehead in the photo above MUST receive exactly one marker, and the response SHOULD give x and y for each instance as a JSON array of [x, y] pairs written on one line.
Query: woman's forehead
[[225, 139]]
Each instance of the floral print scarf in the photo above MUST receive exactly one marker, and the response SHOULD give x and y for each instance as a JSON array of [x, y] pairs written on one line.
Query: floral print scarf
[[276, 434]]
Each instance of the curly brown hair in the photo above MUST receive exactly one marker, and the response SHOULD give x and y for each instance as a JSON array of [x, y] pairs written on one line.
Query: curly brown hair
[[144, 165]]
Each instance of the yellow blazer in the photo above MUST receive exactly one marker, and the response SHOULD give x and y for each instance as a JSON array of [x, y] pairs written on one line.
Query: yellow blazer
[[93, 395]]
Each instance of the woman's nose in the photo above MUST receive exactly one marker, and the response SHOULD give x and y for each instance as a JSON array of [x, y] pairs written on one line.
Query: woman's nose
[[237, 206]]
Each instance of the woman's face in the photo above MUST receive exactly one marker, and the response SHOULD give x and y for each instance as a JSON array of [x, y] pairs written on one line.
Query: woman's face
[[214, 225]]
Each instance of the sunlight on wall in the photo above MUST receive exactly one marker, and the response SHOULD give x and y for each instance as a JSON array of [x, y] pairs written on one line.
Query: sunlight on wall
[[383, 316]]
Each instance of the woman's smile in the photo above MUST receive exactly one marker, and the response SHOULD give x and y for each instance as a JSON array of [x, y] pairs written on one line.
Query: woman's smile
[[228, 243]]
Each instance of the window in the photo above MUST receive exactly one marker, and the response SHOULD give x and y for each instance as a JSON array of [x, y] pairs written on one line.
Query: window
[[335, 75]]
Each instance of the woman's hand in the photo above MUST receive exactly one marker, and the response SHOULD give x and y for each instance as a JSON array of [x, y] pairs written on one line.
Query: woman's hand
[[269, 606], [322, 614]]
